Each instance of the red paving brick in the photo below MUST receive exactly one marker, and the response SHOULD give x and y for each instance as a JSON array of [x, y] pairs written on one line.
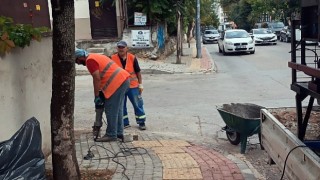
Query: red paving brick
[[214, 165], [205, 60]]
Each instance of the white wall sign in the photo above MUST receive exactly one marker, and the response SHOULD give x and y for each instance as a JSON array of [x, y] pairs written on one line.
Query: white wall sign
[[140, 19], [140, 38]]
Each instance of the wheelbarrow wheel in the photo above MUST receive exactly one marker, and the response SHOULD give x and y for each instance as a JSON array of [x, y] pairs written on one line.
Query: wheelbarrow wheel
[[233, 137]]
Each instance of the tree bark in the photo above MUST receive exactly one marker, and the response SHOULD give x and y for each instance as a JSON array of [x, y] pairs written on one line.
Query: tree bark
[[178, 61], [64, 161], [181, 33], [190, 31]]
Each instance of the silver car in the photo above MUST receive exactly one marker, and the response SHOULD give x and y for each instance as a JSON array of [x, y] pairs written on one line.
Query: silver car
[[210, 36]]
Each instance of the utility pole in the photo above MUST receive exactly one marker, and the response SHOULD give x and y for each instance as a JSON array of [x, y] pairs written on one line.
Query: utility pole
[[198, 30]]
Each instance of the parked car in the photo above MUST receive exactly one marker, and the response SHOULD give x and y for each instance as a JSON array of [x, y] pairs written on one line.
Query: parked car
[[275, 27], [210, 36], [285, 34], [263, 36], [236, 40]]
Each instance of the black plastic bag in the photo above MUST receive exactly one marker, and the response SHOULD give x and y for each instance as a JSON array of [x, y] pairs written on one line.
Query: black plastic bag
[[21, 156]]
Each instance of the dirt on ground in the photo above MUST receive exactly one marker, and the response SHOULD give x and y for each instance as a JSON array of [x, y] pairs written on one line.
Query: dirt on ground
[[89, 175], [287, 116]]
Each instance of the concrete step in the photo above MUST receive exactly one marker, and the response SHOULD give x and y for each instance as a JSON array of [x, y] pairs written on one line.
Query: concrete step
[[98, 50]]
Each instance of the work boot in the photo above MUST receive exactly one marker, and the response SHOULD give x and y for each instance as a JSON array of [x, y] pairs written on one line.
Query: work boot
[[96, 131], [106, 139], [142, 126], [121, 137]]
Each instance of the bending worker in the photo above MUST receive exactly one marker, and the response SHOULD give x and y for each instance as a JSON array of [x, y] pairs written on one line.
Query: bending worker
[[130, 63], [113, 83]]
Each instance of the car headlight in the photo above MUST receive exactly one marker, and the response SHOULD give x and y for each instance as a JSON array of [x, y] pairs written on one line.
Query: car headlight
[[228, 43], [250, 42], [273, 37]]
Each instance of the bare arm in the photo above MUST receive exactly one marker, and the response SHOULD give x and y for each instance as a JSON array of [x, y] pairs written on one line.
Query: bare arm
[[96, 82], [139, 77]]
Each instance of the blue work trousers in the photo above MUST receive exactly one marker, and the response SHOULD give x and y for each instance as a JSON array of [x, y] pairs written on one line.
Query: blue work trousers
[[114, 110], [137, 103]]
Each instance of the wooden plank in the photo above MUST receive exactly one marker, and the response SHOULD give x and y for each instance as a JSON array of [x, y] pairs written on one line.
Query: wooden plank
[[278, 141], [314, 72]]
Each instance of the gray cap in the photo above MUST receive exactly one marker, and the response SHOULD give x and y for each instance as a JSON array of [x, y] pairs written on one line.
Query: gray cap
[[122, 43]]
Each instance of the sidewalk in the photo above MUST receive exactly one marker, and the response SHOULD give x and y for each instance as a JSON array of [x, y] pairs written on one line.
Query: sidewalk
[[189, 63], [154, 157]]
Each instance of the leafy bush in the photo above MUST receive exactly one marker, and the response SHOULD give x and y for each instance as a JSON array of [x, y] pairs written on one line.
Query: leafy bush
[[17, 35]]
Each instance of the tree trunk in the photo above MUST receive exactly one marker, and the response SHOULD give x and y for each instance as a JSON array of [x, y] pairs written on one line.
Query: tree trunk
[[181, 33], [190, 32], [178, 38], [64, 161]]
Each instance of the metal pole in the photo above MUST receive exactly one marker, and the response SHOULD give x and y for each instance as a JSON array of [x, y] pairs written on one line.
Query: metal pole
[[198, 30]]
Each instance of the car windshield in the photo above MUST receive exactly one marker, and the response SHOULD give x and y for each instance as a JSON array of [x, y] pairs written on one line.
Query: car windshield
[[211, 32], [237, 34], [277, 25], [261, 31]]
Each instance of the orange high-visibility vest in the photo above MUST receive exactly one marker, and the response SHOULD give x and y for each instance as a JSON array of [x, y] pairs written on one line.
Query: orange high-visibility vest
[[129, 68], [112, 76]]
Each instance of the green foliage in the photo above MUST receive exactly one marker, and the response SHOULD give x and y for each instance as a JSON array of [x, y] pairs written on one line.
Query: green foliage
[[247, 12], [165, 11], [157, 10], [207, 14], [20, 35]]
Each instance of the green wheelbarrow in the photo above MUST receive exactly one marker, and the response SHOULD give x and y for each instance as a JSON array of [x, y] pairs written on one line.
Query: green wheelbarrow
[[242, 121]]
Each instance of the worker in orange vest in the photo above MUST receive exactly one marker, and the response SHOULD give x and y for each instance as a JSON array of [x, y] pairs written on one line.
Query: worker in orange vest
[[110, 84], [130, 63]]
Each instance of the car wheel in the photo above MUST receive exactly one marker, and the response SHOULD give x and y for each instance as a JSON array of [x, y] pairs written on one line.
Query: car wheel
[[274, 43]]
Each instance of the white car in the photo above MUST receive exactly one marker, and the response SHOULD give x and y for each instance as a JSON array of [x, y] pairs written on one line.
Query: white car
[[236, 40], [210, 36], [263, 36]]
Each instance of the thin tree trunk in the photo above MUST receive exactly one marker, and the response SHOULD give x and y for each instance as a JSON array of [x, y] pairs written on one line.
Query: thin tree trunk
[[182, 33], [189, 32], [64, 161], [178, 61]]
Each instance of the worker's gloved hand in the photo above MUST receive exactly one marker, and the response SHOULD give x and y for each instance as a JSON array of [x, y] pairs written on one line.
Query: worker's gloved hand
[[140, 88], [98, 101]]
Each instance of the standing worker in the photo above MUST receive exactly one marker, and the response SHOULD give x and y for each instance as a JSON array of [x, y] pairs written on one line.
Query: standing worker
[[130, 63], [110, 84]]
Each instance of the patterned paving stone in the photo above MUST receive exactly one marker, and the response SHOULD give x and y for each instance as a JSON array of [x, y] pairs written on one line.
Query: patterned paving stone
[[146, 144], [177, 160], [174, 143], [182, 173], [213, 165], [167, 150], [161, 159]]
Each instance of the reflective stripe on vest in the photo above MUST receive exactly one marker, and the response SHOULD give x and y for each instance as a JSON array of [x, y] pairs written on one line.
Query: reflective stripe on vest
[[106, 69], [111, 78], [133, 77]]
